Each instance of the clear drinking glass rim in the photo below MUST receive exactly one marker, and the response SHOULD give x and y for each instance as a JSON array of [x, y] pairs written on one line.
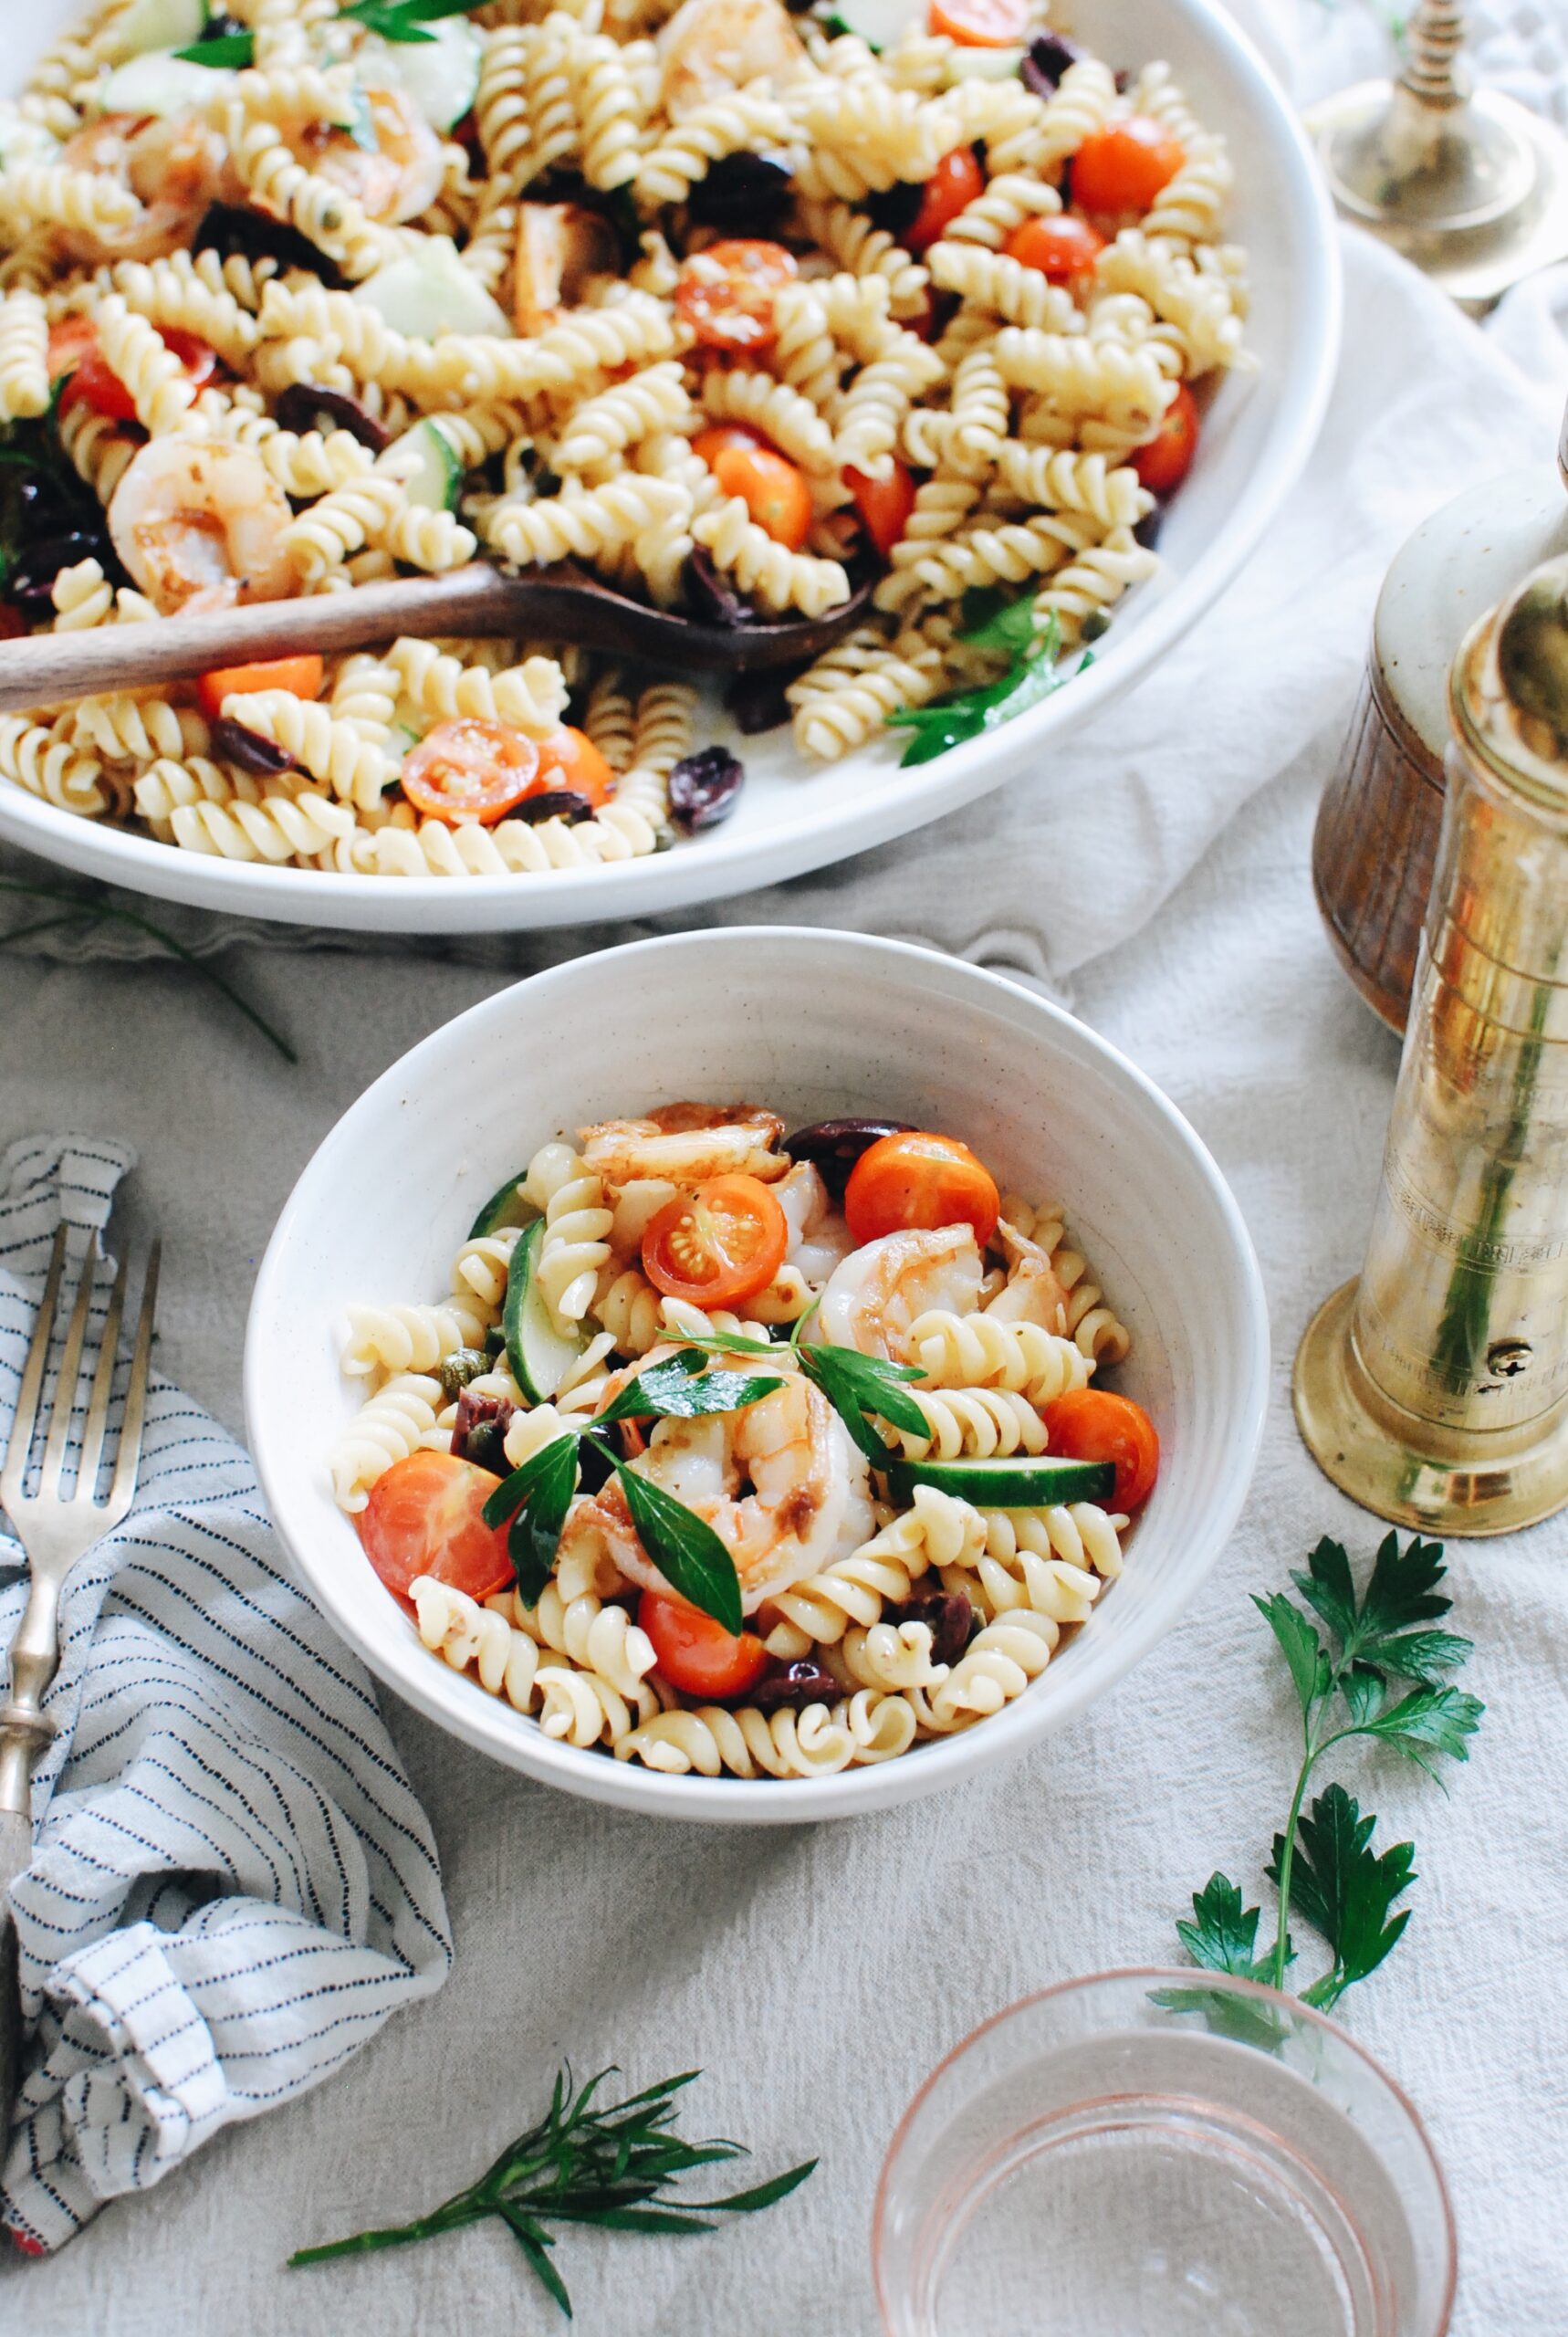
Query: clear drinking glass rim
[[1185, 1975]]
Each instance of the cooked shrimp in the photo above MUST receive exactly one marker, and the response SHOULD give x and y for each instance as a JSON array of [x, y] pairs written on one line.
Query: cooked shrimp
[[712, 46], [819, 1238], [198, 524], [873, 1297], [395, 178], [684, 1144], [782, 1483], [1033, 1293], [176, 165]]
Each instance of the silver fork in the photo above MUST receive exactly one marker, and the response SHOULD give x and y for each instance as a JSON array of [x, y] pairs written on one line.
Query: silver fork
[[55, 1529]]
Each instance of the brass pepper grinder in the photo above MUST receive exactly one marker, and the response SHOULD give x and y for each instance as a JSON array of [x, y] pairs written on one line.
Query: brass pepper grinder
[[1434, 1390], [1469, 184]]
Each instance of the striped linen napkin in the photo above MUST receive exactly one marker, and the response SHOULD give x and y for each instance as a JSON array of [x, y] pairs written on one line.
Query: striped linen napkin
[[233, 1885]]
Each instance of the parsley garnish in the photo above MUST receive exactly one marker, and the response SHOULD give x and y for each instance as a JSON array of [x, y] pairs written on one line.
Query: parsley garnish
[[402, 20], [614, 2167], [236, 49], [1365, 1665], [1032, 674]]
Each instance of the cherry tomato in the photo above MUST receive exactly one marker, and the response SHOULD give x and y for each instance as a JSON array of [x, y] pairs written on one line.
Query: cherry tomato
[[424, 1516], [981, 23], [884, 504], [718, 1245], [771, 487], [1166, 461], [199, 358], [918, 1180], [725, 294], [1061, 248], [697, 1655], [69, 341], [953, 184], [302, 675], [720, 434], [469, 769], [92, 383], [569, 758], [76, 352], [1124, 166], [1094, 1424]]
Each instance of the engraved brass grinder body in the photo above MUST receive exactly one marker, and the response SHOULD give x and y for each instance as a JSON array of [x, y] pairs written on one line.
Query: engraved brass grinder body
[[1434, 1390]]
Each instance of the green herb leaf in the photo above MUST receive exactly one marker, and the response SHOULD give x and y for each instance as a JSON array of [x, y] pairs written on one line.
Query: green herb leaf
[[680, 1390], [1014, 627], [1034, 674], [1304, 1651], [513, 1491], [400, 20], [1223, 1934], [1427, 1721], [685, 1548], [720, 1343], [857, 1385], [1379, 1627], [534, 1535], [1342, 1887], [235, 49]]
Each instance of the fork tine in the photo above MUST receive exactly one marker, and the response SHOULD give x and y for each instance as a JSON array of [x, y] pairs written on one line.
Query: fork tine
[[124, 1481], [69, 1372], [102, 1386], [12, 1477]]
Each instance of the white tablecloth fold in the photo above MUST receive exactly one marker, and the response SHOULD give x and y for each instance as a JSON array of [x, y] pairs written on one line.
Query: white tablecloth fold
[[233, 1885]]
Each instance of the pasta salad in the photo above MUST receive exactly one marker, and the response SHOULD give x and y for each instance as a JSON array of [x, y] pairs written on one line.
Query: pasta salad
[[749, 1454], [731, 304]]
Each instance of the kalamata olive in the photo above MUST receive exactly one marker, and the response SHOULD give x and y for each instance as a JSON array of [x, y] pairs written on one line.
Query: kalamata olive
[[894, 211], [804, 1682], [756, 701], [479, 1432], [555, 803], [1147, 531], [743, 194], [836, 1144], [712, 597], [953, 1623], [1047, 59], [704, 788], [233, 743], [231, 231], [306, 405], [42, 561]]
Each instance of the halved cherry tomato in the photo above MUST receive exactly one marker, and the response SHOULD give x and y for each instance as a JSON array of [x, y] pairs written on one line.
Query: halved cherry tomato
[[1095, 1424], [92, 383], [76, 352], [884, 504], [981, 23], [954, 184], [1124, 166], [301, 675], [1061, 248], [1166, 461], [921, 1180], [199, 358], [69, 339], [469, 769], [569, 758], [424, 1515], [720, 434], [697, 1655], [771, 487], [725, 294], [720, 1244]]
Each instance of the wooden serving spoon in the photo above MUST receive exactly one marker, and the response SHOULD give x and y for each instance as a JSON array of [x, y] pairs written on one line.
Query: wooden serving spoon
[[558, 603]]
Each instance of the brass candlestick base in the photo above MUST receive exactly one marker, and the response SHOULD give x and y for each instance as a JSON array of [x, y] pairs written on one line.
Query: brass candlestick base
[[1385, 1458], [1472, 187]]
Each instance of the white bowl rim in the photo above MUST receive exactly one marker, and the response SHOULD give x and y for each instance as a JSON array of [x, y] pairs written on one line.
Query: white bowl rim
[[493, 1727], [724, 863]]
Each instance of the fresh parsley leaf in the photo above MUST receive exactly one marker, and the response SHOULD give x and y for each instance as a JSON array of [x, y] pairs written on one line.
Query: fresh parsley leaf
[[1425, 1723], [1304, 1651], [236, 49], [1379, 1627], [857, 1384], [513, 1491], [400, 20], [1014, 627], [679, 1388], [685, 1548], [1032, 674], [1223, 1934], [540, 1494], [717, 1343], [1345, 1890]]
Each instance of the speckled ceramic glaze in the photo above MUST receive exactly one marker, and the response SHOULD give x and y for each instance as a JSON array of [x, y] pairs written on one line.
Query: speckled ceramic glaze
[[814, 1025], [1256, 436]]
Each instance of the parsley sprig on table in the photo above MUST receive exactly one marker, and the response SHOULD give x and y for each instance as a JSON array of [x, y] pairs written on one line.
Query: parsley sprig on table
[[1032, 673], [1370, 1666], [613, 2166], [533, 1502]]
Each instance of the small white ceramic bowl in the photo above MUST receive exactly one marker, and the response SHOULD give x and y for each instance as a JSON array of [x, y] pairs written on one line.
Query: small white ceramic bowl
[[814, 1025]]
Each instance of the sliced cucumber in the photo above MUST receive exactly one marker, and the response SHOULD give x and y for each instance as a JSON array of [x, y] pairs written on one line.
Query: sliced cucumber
[[435, 474], [441, 74], [1019, 1482], [540, 1356], [158, 23], [159, 83], [879, 23], [983, 64], [428, 292], [504, 1207]]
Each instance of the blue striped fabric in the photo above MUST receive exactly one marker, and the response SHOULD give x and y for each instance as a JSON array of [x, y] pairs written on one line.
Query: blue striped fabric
[[233, 1885]]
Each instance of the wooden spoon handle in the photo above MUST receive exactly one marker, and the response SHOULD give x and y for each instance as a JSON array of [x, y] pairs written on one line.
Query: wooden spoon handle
[[49, 668]]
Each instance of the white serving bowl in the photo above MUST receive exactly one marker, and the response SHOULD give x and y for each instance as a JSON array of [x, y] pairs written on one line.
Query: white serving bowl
[[793, 817], [814, 1025]]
